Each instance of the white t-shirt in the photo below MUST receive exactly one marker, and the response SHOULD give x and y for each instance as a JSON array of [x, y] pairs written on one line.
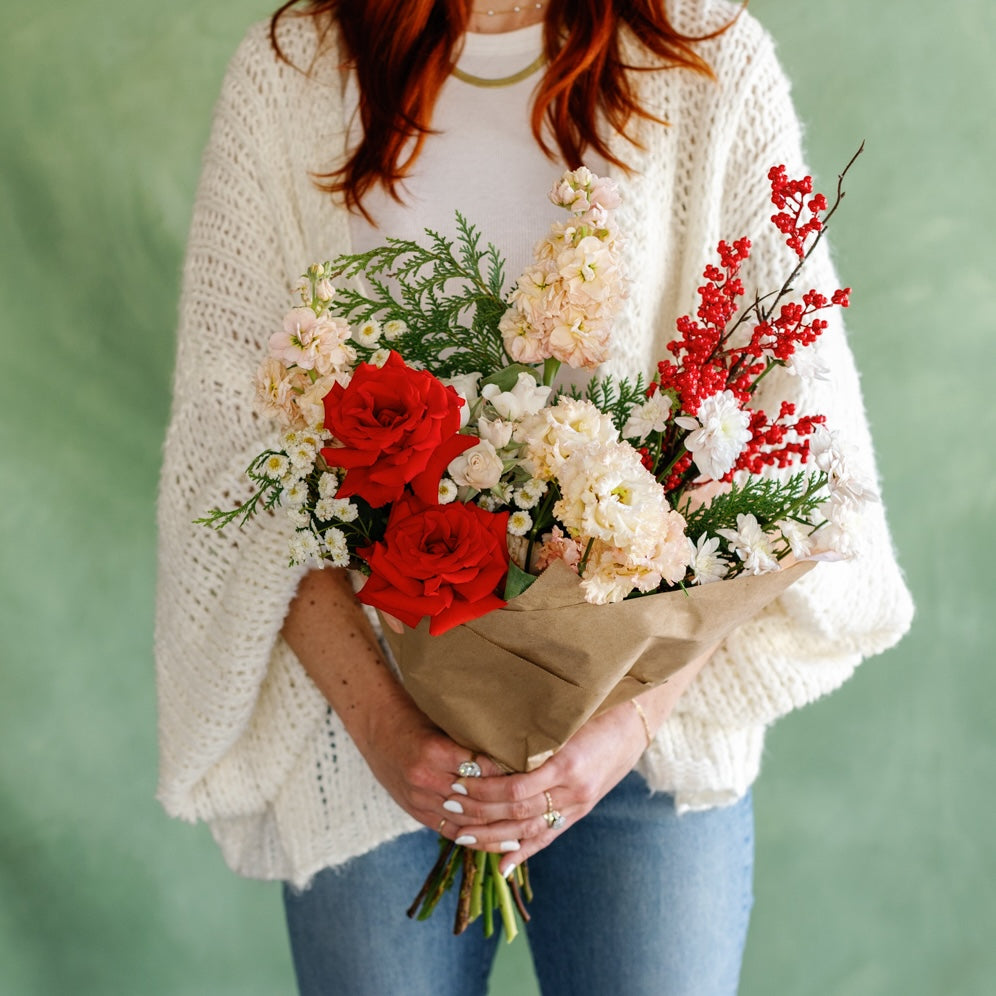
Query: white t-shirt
[[482, 132]]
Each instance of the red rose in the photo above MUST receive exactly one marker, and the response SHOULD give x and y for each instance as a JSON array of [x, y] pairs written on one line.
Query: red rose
[[396, 426], [441, 561]]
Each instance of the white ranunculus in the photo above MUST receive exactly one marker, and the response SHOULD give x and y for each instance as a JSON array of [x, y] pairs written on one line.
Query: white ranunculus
[[526, 398], [479, 468], [497, 431], [466, 386]]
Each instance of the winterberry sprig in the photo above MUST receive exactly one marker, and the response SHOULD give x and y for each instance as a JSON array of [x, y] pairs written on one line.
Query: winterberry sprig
[[705, 361]]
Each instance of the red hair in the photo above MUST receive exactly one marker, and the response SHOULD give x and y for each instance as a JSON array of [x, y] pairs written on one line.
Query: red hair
[[402, 52]]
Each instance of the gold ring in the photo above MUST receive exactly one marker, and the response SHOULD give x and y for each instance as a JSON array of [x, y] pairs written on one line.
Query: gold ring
[[442, 823]]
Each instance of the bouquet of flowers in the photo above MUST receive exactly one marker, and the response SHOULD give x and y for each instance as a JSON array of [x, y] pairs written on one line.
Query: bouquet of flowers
[[511, 525]]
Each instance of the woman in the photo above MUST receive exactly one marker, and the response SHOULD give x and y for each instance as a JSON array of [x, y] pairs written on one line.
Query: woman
[[281, 724]]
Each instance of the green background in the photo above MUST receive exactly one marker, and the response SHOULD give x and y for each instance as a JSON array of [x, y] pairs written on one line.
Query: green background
[[875, 815]]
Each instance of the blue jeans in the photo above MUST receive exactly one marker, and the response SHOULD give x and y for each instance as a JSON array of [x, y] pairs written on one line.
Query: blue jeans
[[633, 899]]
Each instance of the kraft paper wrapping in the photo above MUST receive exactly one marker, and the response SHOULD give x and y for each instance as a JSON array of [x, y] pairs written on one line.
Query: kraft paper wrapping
[[517, 683]]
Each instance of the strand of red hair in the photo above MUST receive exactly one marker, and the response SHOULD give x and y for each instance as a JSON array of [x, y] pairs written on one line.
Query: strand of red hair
[[402, 52]]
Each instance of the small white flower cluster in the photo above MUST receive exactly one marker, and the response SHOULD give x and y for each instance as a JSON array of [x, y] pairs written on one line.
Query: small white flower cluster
[[315, 542], [563, 305], [490, 466], [309, 354], [848, 492], [832, 532]]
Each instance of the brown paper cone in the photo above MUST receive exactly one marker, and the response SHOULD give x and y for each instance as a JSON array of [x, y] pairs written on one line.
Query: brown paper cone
[[517, 683]]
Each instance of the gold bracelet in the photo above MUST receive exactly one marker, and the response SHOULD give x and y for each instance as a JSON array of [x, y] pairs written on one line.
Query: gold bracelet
[[643, 719]]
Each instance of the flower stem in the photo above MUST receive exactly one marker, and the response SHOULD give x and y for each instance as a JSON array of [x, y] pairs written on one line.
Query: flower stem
[[550, 368], [503, 897]]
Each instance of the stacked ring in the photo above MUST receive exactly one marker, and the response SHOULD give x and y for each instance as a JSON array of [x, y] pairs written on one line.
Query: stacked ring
[[553, 818], [469, 769]]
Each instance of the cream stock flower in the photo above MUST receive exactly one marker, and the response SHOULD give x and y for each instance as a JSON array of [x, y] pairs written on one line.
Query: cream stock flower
[[311, 397], [613, 572], [581, 266], [558, 545], [333, 352], [580, 189], [553, 433], [608, 495], [274, 390], [295, 344], [523, 341], [578, 343]]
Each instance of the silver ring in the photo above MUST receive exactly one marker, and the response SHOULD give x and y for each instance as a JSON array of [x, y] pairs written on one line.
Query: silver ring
[[554, 820], [469, 769]]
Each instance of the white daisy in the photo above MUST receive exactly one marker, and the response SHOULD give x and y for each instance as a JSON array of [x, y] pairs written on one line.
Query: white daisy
[[707, 563], [447, 491], [519, 523], [718, 434]]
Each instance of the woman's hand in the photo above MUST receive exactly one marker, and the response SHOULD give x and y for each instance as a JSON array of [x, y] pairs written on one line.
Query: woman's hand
[[415, 761], [498, 812], [501, 812], [420, 766]]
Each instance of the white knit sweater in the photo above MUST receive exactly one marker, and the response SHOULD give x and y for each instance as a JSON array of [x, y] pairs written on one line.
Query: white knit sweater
[[247, 742]]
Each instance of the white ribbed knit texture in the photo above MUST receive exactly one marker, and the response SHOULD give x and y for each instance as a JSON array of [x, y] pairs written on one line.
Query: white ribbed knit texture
[[247, 742]]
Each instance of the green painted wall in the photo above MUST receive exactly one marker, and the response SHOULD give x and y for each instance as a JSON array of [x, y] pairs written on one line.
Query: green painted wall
[[875, 812]]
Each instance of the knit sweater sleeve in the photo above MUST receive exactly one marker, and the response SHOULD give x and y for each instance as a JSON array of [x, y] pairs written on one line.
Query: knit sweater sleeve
[[810, 640], [235, 707]]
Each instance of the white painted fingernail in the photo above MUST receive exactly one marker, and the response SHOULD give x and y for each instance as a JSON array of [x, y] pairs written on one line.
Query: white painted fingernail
[[458, 788], [507, 873], [465, 839], [452, 806], [509, 845]]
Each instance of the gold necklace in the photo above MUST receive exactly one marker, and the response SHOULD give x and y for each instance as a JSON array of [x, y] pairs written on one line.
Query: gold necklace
[[522, 74], [517, 9]]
